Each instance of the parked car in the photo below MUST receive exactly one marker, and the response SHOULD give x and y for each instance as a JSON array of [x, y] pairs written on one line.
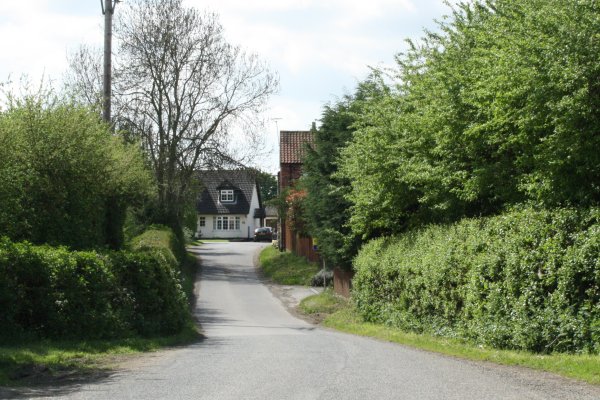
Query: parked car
[[264, 233]]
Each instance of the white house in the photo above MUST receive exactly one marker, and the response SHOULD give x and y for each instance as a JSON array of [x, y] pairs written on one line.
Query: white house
[[229, 205]]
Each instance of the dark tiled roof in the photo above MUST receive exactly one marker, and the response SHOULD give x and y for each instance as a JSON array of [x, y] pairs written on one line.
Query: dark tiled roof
[[292, 146], [242, 183]]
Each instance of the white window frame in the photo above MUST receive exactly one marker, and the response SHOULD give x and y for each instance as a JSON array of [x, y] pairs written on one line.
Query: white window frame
[[202, 222], [226, 223], [227, 196]]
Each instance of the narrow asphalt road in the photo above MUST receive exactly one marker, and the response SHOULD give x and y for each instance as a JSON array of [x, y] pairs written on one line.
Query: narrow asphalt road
[[254, 349]]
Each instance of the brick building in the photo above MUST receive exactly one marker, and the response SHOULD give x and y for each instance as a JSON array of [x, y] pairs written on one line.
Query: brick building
[[292, 148]]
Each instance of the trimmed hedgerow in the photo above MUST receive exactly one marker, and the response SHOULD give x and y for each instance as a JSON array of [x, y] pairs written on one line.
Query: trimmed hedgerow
[[48, 292], [528, 279], [53, 292], [160, 238], [154, 294]]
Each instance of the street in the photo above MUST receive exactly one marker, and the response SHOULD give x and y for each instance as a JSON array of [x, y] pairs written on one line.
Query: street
[[255, 349]]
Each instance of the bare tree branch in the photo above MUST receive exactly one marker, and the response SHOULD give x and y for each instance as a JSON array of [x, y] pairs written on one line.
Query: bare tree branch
[[180, 85]]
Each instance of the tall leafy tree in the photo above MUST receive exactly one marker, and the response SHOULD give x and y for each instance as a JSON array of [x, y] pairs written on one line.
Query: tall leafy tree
[[181, 85], [498, 107], [268, 185], [62, 171], [326, 209]]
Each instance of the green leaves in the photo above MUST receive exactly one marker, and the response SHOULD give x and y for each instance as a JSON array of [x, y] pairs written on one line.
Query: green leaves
[[49, 292], [325, 207], [64, 176], [497, 108], [527, 279]]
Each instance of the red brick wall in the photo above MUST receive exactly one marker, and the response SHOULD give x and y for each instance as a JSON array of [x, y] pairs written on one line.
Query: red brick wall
[[292, 241], [289, 173]]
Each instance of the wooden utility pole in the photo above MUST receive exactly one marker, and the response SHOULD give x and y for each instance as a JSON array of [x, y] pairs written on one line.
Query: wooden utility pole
[[108, 9]]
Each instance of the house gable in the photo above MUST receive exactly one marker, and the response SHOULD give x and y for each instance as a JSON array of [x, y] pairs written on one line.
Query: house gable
[[217, 186], [228, 205], [292, 149]]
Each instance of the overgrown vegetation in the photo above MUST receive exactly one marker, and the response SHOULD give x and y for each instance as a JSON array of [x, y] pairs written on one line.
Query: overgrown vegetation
[[286, 268], [325, 208], [475, 174], [528, 280], [163, 240], [65, 179], [497, 107]]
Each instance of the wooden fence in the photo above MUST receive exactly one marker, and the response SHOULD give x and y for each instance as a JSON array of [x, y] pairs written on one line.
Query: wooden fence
[[342, 281]]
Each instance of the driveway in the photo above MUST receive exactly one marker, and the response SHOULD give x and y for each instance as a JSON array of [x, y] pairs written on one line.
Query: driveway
[[255, 349]]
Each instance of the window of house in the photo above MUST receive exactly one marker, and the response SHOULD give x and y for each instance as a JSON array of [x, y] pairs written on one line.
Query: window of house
[[227, 223], [226, 195], [202, 221]]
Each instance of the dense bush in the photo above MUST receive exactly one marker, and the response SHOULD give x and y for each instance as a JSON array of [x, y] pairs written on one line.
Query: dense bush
[[161, 296], [496, 107], [57, 293], [65, 179], [150, 282], [162, 239], [527, 279]]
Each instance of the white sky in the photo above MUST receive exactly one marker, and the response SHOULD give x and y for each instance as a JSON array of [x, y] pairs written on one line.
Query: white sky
[[320, 48]]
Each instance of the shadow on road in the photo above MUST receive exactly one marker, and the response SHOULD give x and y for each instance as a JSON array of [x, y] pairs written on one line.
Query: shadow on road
[[210, 316], [231, 273], [58, 384]]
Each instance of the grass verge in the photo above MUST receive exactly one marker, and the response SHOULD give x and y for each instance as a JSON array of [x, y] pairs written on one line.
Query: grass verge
[[286, 268], [44, 361], [325, 303], [341, 315]]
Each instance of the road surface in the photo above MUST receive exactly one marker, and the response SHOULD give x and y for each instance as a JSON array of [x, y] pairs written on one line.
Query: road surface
[[254, 349]]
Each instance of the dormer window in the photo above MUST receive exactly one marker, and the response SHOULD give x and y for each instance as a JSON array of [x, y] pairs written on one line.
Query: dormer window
[[226, 196]]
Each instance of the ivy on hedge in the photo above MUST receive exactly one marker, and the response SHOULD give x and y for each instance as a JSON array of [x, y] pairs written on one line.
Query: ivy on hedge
[[527, 279]]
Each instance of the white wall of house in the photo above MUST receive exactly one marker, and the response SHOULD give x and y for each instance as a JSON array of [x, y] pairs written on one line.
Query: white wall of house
[[253, 206], [223, 226]]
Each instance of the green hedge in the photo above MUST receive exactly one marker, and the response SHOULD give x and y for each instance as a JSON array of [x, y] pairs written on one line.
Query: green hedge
[[162, 239], [527, 279], [154, 295], [48, 292]]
